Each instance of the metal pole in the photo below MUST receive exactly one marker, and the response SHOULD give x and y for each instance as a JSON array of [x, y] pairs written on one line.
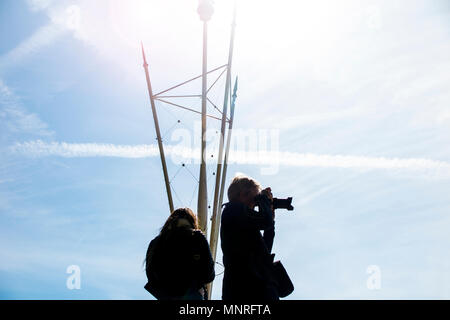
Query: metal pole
[[158, 134], [214, 224], [227, 151], [202, 190], [205, 11], [214, 238]]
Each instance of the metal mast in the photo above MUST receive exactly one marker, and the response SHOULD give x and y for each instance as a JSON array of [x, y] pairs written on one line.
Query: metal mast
[[216, 207], [205, 10], [158, 134], [227, 151], [215, 235]]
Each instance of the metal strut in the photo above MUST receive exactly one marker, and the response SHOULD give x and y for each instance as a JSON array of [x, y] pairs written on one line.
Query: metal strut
[[158, 134], [215, 223], [205, 10]]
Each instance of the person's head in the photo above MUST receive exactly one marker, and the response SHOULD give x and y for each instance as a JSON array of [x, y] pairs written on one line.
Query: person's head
[[180, 218], [244, 189]]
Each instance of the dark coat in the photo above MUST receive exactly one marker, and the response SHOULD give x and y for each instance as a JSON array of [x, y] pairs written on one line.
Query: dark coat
[[179, 264], [246, 253]]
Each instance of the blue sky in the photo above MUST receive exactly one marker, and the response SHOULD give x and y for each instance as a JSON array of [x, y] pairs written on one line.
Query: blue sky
[[357, 95]]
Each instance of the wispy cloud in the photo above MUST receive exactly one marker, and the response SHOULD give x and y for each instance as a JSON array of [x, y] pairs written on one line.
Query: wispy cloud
[[15, 119], [40, 148], [42, 37], [62, 20], [312, 119], [37, 5]]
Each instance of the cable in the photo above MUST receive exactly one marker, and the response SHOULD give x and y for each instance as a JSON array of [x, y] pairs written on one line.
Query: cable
[[181, 202], [192, 175], [176, 173]]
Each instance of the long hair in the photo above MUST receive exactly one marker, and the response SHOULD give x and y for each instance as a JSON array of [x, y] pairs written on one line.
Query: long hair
[[171, 224], [180, 213]]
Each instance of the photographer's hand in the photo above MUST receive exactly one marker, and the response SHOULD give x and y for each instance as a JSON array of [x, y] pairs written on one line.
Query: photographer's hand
[[269, 233], [268, 192]]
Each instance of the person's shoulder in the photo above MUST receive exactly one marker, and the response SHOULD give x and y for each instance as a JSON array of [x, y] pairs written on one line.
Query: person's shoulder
[[155, 240], [154, 245], [233, 210], [232, 207]]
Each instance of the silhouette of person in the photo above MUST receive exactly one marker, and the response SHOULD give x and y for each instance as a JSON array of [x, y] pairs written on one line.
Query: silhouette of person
[[246, 253], [178, 263]]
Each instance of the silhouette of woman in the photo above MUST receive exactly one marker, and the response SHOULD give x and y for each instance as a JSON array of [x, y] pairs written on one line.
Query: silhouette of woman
[[178, 263]]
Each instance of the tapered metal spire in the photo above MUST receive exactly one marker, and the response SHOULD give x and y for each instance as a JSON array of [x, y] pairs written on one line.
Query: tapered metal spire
[[158, 133], [214, 237], [205, 11], [214, 221]]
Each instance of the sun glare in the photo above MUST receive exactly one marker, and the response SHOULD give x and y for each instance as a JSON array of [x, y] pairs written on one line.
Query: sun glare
[[292, 24], [134, 21]]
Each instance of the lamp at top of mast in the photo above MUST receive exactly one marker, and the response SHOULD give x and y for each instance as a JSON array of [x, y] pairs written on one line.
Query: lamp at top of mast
[[205, 9]]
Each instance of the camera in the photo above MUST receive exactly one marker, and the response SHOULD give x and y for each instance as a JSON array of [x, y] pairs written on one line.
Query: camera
[[283, 203], [278, 203]]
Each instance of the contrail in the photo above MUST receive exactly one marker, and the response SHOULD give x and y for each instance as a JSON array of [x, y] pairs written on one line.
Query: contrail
[[39, 148]]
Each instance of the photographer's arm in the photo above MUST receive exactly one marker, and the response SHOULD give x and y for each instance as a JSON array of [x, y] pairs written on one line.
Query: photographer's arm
[[268, 236], [269, 232], [262, 219]]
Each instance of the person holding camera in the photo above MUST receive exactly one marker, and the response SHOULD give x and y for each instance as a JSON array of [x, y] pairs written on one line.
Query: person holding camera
[[247, 254]]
